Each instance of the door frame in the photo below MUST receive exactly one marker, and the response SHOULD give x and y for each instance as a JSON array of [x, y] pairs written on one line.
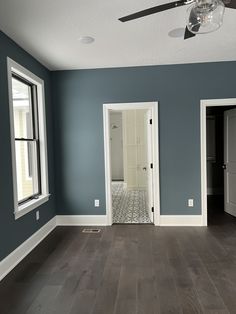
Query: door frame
[[153, 107], [203, 106]]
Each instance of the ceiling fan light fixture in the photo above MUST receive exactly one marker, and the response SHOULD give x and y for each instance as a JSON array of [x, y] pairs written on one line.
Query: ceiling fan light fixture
[[205, 16]]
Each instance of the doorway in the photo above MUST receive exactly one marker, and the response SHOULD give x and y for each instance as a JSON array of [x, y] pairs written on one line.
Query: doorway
[[218, 156], [131, 163]]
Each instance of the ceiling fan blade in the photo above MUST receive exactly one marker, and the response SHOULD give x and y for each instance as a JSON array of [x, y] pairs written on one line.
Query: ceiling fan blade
[[159, 8], [188, 34], [230, 4]]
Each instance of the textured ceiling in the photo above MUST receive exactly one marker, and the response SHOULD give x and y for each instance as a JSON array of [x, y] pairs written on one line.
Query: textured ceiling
[[50, 31]]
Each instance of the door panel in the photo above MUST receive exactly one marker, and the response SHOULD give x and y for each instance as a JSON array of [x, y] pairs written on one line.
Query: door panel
[[142, 177], [132, 175], [131, 156], [138, 153], [131, 134], [231, 137], [231, 185], [230, 161], [140, 127], [116, 140], [134, 148]]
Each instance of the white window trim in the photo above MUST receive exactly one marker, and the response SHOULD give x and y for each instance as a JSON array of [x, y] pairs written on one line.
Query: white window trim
[[13, 67]]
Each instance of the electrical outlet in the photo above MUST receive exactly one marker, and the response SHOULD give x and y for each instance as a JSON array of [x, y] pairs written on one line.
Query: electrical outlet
[[37, 215], [96, 203], [190, 202]]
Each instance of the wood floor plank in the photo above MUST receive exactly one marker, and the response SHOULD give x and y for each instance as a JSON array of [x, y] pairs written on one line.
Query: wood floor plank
[[43, 304], [87, 289], [77, 274], [195, 257], [127, 289], [219, 271], [107, 293], [147, 295], [164, 280], [184, 284]]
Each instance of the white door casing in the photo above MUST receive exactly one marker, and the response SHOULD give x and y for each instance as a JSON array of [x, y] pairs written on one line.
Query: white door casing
[[153, 107], [230, 161], [135, 148], [203, 105]]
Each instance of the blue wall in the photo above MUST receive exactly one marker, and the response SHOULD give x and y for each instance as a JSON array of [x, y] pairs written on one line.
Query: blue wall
[[14, 232], [78, 98]]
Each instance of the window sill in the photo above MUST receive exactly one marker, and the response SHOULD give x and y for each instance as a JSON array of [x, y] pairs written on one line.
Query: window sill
[[29, 206]]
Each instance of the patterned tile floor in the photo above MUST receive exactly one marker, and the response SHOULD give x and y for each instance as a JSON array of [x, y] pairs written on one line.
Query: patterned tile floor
[[129, 206]]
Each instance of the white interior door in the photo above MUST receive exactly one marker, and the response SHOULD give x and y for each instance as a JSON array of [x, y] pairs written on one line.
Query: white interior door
[[130, 148], [230, 161], [116, 138], [135, 149], [149, 152], [138, 175], [142, 162]]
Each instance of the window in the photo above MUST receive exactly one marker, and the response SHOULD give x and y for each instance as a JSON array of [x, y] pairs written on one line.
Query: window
[[24, 97], [28, 132]]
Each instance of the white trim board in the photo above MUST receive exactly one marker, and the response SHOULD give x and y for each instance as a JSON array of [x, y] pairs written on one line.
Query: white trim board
[[181, 220], [14, 258], [203, 105], [102, 220], [153, 107], [14, 67], [81, 220]]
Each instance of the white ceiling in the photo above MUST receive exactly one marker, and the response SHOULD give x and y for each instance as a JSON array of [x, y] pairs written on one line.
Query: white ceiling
[[50, 31]]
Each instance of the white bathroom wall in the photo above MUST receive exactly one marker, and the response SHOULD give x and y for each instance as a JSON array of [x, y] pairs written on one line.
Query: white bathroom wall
[[116, 140]]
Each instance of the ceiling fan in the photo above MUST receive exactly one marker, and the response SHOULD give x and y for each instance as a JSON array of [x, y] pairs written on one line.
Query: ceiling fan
[[204, 16]]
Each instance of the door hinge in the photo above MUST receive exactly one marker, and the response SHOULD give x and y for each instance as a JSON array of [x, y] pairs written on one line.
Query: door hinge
[[151, 165], [150, 121], [152, 209]]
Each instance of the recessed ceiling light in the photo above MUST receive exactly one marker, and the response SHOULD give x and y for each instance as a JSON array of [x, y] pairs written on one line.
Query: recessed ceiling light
[[177, 32], [86, 40]]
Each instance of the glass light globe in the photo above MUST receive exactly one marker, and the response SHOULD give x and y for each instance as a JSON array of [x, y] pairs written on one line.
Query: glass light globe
[[205, 16]]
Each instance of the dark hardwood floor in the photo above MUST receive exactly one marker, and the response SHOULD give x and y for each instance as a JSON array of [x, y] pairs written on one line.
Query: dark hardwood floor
[[133, 269]]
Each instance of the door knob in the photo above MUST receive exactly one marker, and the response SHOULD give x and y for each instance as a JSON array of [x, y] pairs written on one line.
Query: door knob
[[224, 166], [144, 168]]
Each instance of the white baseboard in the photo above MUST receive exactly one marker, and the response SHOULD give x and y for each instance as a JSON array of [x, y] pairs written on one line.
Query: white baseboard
[[9, 262], [181, 220], [81, 220]]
